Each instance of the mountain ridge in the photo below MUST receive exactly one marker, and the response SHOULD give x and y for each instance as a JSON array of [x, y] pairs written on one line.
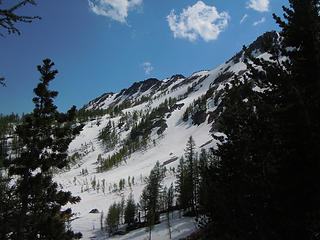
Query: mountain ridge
[[146, 123], [138, 88]]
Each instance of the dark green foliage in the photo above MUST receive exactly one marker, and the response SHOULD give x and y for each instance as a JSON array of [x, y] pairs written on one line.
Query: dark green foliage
[[185, 117], [45, 136], [8, 212], [182, 187], [223, 77], [151, 196], [2, 83], [264, 182], [84, 115], [122, 183], [191, 175], [151, 120], [199, 117], [118, 108], [168, 199], [109, 137], [8, 17], [113, 218], [143, 203], [139, 135], [7, 124], [130, 211], [197, 110], [141, 100]]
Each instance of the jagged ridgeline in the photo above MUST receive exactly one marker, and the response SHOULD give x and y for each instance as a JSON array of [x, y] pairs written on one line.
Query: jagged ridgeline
[[137, 116]]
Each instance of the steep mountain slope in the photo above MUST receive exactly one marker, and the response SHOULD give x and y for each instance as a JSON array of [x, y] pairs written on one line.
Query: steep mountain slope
[[148, 122]]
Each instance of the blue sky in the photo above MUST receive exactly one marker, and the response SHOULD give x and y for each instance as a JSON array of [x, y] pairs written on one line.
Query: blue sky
[[106, 45]]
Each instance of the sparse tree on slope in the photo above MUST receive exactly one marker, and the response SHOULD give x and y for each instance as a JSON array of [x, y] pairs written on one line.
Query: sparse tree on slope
[[168, 198], [191, 173], [181, 185], [130, 210], [153, 193], [113, 218]]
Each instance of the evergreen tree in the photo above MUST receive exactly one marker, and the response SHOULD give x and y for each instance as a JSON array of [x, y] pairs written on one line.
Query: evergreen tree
[[265, 185], [130, 210], [101, 221], [143, 203], [113, 218], [168, 197], [45, 136], [191, 174], [153, 193], [181, 184]]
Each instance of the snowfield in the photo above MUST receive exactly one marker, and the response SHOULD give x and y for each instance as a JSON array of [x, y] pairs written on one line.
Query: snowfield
[[169, 145]]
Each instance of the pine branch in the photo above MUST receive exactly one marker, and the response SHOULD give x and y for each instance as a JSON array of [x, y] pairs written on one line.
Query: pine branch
[[8, 18], [2, 81]]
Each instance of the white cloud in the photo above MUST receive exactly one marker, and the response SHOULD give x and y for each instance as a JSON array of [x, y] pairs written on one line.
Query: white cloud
[[262, 20], [114, 9], [259, 5], [243, 18], [198, 20], [147, 66]]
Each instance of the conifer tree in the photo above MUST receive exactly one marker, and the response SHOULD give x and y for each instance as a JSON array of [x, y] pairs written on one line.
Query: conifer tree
[[168, 197], [113, 218], [267, 178], [122, 209], [45, 136], [191, 173], [143, 202], [130, 210], [181, 184], [153, 193]]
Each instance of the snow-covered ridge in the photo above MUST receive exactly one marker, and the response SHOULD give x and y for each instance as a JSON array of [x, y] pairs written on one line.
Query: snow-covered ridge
[[165, 103]]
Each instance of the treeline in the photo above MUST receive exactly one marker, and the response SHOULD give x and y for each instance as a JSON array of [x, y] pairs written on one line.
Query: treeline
[[84, 115]]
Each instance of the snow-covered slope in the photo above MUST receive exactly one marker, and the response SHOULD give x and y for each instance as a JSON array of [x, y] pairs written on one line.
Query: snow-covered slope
[[166, 146]]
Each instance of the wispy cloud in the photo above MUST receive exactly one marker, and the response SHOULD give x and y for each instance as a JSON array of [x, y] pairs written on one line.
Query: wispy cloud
[[243, 18], [114, 9], [198, 20], [147, 66], [259, 5], [262, 20]]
